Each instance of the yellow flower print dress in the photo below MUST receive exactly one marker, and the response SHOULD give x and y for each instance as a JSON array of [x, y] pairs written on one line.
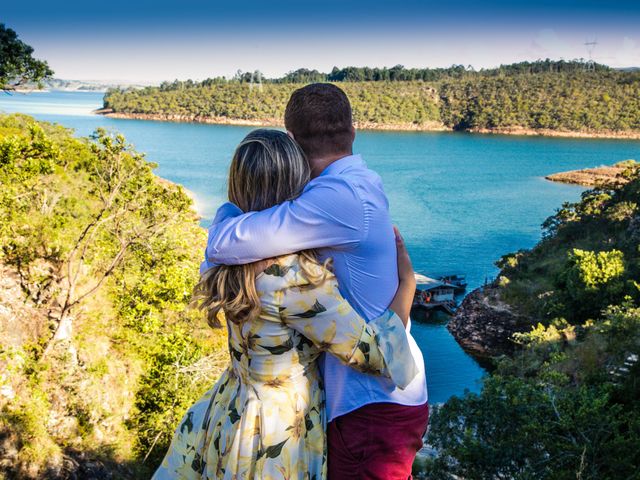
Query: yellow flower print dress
[[265, 417]]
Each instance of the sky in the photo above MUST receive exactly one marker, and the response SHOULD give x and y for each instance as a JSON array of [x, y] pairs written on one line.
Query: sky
[[151, 41]]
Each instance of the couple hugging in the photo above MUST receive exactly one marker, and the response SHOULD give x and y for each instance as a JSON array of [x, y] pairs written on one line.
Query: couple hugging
[[325, 380]]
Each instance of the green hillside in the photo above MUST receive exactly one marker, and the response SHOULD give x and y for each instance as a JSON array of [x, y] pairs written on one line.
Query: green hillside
[[100, 354], [567, 404]]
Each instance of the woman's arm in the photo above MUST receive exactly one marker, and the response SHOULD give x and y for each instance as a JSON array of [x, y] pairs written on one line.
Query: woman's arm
[[402, 302], [324, 317]]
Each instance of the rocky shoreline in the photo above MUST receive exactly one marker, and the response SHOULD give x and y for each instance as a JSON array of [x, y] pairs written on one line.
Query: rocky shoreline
[[432, 126], [265, 122], [484, 324], [545, 132]]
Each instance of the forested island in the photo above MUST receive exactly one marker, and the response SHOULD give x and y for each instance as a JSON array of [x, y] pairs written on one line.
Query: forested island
[[540, 98]]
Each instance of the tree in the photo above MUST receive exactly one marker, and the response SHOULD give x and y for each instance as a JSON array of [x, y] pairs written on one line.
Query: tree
[[124, 209], [102, 252], [17, 65], [591, 281]]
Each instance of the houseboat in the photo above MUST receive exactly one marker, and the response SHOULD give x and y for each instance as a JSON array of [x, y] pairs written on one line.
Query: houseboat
[[434, 294]]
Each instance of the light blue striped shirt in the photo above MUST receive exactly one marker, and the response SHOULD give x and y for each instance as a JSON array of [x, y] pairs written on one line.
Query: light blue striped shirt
[[344, 213]]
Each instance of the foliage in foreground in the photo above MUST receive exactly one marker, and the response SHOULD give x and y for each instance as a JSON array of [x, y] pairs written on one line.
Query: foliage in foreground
[[97, 346], [567, 405]]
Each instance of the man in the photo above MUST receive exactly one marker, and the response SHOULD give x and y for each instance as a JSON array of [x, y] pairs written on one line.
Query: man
[[374, 428]]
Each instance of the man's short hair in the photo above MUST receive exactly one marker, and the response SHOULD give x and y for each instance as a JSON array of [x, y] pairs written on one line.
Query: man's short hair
[[319, 117]]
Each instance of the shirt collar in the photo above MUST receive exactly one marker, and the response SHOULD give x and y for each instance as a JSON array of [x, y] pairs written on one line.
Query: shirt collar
[[342, 164]]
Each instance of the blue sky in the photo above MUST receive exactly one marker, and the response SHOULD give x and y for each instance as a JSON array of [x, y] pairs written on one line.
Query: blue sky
[[151, 41]]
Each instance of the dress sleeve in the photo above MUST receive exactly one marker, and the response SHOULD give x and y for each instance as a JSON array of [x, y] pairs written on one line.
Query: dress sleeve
[[323, 316]]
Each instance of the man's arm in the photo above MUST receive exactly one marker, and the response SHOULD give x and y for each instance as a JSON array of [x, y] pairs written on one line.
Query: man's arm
[[329, 213]]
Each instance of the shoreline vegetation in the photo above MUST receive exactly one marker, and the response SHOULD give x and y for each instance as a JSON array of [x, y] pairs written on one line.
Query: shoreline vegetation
[[562, 325], [546, 98]]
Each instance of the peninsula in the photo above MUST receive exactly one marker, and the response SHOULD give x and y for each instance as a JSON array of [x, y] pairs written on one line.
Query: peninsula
[[591, 177]]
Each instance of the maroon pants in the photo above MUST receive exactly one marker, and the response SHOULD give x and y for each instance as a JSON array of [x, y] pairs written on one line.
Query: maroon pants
[[376, 442]]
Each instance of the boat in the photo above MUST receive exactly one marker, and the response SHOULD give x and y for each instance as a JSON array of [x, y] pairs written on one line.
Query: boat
[[434, 294], [459, 282]]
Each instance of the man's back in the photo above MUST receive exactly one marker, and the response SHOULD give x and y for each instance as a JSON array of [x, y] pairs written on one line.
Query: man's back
[[367, 278], [367, 269]]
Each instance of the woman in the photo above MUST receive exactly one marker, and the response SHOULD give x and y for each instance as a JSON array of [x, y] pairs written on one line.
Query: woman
[[265, 416]]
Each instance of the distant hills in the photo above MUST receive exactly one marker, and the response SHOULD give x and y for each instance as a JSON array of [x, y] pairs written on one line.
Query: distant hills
[[83, 85]]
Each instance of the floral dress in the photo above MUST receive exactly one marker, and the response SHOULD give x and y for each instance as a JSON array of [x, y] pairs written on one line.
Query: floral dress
[[265, 417]]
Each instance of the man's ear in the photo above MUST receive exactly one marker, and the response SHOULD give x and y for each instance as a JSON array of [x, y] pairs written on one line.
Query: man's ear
[[290, 134], [353, 134]]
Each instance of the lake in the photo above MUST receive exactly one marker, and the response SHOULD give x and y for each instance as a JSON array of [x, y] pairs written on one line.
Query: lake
[[461, 200]]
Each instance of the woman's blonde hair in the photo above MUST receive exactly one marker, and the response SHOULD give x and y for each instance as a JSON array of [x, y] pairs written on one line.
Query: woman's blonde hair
[[268, 168]]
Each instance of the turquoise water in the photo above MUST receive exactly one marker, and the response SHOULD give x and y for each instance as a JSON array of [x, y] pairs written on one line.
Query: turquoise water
[[461, 200]]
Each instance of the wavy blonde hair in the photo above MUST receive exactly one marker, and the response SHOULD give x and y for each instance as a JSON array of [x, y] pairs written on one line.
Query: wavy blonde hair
[[268, 168]]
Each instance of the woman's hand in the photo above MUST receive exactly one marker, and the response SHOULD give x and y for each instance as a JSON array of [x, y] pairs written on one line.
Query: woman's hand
[[405, 267], [402, 302]]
